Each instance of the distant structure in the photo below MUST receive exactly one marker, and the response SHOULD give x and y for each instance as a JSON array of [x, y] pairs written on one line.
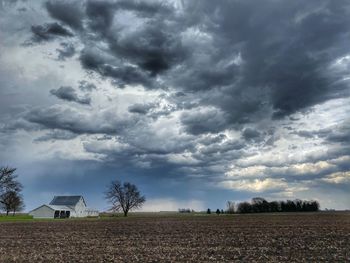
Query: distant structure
[[64, 207]]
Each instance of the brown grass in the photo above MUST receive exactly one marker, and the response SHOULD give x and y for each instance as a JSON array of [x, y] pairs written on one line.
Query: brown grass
[[314, 237]]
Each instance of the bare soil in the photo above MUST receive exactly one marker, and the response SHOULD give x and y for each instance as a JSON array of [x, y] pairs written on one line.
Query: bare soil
[[304, 237]]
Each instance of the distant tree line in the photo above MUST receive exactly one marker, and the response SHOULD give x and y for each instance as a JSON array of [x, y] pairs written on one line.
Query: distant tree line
[[218, 211], [260, 205], [11, 199], [186, 210]]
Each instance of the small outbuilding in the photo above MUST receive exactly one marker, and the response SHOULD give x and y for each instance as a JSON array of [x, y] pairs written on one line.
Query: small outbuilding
[[64, 207]]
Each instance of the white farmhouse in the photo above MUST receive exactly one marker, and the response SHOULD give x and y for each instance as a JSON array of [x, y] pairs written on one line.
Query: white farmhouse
[[64, 207]]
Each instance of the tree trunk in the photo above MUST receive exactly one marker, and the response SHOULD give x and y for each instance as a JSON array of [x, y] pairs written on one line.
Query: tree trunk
[[125, 213], [7, 212]]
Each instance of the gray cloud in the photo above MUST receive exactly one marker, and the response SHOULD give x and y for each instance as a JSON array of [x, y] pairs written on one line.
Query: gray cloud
[[233, 93], [55, 135], [340, 134], [69, 94], [269, 68], [210, 139], [207, 121], [69, 119], [100, 14], [156, 53], [67, 50], [250, 134], [121, 75], [140, 108], [277, 61], [281, 57], [305, 134], [86, 86], [335, 134], [49, 31], [22, 9], [12, 126], [68, 12]]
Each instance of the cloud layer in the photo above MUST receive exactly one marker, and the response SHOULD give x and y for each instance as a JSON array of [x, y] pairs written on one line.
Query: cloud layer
[[232, 98]]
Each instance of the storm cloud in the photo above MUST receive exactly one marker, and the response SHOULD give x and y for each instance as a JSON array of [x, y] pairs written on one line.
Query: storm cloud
[[49, 31], [231, 98], [66, 51], [69, 94], [68, 12], [279, 62]]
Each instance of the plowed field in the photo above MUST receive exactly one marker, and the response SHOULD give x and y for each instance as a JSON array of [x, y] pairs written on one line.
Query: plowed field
[[314, 237]]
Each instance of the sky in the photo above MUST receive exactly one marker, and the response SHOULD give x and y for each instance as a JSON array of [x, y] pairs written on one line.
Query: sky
[[196, 102]]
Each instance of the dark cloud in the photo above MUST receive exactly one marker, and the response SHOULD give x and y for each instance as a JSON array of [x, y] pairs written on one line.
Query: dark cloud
[[157, 51], [282, 57], [275, 61], [49, 31], [220, 150], [250, 134], [235, 58], [63, 117], [69, 94], [55, 135], [130, 61], [335, 134], [280, 60], [140, 108], [68, 12], [100, 14], [206, 121], [339, 134], [211, 139], [305, 134], [121, 75], [244, 61], [67, 50], [215, 91], [146, 9]]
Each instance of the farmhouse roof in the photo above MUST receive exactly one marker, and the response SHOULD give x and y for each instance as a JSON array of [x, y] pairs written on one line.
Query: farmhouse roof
[[69, 200], [54, 207]]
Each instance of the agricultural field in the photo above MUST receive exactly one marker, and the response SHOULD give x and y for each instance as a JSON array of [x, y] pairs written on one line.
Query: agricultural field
[[294, 237]]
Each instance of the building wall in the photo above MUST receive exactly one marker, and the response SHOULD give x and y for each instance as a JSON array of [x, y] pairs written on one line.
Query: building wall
[[43, 212], [80, 209]]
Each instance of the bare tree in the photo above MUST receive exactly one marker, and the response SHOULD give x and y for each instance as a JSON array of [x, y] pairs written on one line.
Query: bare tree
[[5, 202], [17, 203], [10, 188], [124, 197], [8, 180], [11, 201]]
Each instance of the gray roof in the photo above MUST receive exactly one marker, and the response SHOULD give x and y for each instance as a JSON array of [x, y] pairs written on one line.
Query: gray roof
[[55, 207], [66, 200]]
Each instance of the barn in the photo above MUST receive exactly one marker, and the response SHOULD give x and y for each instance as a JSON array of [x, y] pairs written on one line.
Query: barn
[[64, 207]]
